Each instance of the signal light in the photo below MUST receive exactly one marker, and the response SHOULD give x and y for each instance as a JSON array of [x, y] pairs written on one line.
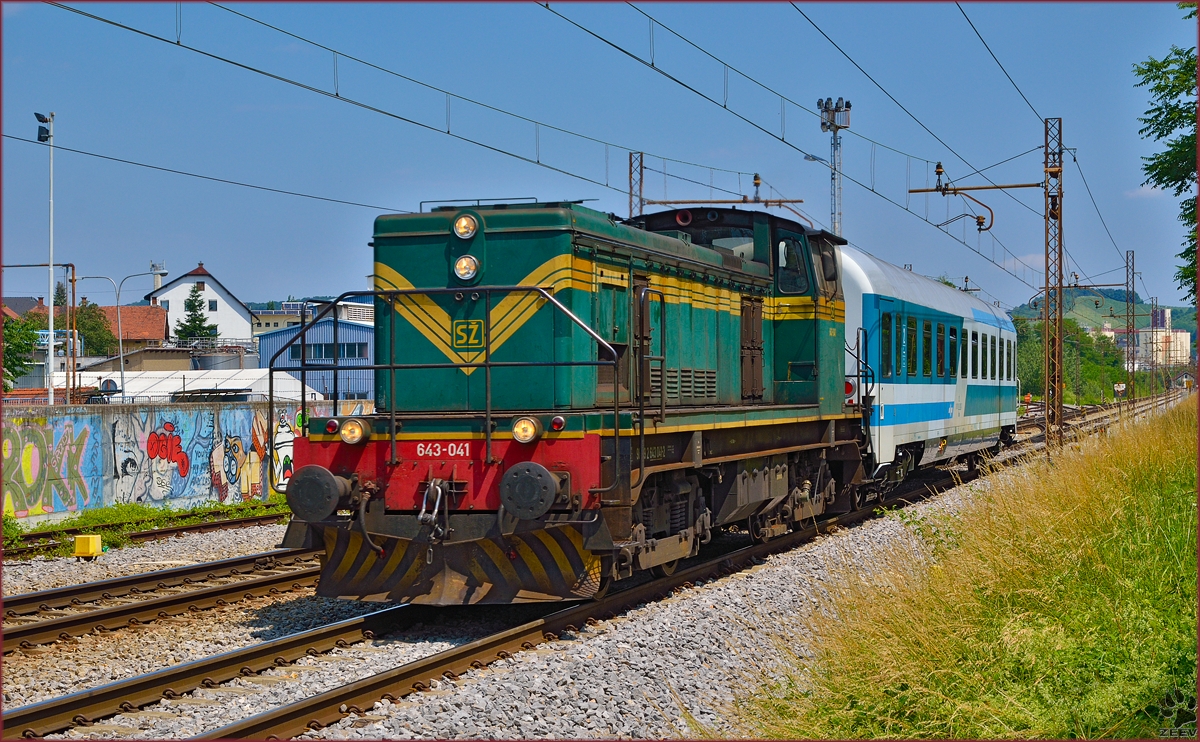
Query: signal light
[[849, 388], [331, 427], [558, 423]]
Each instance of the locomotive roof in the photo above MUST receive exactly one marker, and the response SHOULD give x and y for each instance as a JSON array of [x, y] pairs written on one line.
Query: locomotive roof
[[572, 216]]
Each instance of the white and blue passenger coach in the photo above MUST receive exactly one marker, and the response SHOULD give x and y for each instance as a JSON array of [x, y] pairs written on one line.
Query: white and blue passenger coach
[[943, 364]]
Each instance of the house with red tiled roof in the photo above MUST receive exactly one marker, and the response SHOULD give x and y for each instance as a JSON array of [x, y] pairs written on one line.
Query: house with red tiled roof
[[140, 326], [221, 308]]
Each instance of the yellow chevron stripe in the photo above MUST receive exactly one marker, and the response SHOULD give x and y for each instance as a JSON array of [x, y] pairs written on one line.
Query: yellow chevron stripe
[[500, 559], [535, 565], [559, 557], [353, 546]]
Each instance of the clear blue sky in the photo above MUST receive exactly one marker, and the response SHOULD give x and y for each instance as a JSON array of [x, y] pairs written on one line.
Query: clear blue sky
[[124, 95]]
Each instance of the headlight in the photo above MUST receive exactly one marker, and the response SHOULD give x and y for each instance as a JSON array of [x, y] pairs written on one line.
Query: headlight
[[465, 226], [526, 429], [353, 431], [466, 267]]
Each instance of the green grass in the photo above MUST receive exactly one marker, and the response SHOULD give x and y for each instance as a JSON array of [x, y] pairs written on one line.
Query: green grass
[[117, 521], [1060, 602]]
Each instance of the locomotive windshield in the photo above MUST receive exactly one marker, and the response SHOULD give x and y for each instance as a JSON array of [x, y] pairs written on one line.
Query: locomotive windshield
[[793, 273]]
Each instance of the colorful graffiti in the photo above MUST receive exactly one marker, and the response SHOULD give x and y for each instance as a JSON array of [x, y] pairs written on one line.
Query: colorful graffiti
[[51, 465], [177, 455]]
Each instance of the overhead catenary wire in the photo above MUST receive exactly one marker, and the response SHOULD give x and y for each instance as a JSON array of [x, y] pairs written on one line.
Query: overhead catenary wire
[[1001, 66], [654, 21], [902, 108], [212, 178], [361, 104], [465, 99], [793, 146]]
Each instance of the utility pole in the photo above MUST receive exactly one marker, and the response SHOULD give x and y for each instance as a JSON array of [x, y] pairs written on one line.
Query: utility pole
[[1052, 328], [1130, 329], [1154, 352], [834, 118], [637, 175]]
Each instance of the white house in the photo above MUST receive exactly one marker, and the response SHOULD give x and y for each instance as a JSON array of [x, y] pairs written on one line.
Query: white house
[[232, 318]]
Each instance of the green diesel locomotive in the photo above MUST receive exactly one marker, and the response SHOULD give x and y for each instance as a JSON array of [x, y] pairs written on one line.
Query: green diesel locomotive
[[565, 398]]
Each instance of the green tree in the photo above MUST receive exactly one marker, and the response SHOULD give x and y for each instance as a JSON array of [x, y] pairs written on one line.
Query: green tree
[[20, 340], [1172, 117], [194, 323], [60, 294], [92, 323]]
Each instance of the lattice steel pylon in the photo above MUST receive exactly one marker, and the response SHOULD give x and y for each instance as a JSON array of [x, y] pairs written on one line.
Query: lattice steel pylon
[[1130, 329], [637, 176], [1052, 327]]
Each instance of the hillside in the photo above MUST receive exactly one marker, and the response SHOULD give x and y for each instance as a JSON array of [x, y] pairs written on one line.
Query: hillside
[[1081, 306]]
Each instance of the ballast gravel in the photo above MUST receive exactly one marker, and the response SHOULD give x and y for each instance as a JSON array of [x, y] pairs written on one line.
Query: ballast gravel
[[44, 573], [664, 669]]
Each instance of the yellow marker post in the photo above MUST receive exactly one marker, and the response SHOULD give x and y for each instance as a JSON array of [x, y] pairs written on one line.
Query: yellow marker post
[[88, 547]]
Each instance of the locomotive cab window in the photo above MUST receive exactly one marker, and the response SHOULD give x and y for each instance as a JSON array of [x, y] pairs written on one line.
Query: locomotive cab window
[[885, 345], [793, 272], [824, 255]]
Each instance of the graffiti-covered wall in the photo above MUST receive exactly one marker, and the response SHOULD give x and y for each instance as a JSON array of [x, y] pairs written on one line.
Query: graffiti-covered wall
[[63, 460]]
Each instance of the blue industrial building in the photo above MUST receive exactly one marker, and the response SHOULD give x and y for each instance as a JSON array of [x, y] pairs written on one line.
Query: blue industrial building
[[356, 347]]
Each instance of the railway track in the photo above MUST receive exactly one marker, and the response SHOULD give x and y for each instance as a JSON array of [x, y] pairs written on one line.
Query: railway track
[[322, 709], [39, 542], [46, 616]]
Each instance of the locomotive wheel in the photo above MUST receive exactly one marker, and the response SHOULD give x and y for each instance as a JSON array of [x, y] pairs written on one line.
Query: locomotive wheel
[[756, 534], [665, 570]]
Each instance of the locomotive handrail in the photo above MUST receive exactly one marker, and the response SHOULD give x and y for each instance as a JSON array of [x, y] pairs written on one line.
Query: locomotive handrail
[[391, 296], [645, 330]]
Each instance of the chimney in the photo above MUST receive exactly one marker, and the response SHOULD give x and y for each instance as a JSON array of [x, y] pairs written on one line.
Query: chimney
[[41, 301], [156, 269]]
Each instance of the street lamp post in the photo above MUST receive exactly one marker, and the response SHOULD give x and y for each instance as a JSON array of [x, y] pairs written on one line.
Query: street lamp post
[[159, 271], [46, 134]]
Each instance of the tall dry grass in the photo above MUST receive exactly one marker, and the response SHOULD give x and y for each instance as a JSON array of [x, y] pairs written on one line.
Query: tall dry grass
[[1058, 601]]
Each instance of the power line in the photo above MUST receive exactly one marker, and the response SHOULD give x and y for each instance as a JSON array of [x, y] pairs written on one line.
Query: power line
[[781, 96], [779, 138], [989, 49], [58, 147], [902, 108], [494, 109], [1096, 207], [344, 99]]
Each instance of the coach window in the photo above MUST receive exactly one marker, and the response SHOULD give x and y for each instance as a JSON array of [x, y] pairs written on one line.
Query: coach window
[[1008, 363], [974, 355], [963, 345], [927, 349], [993, 356], [941, 350], [953, 352], [793, 273], [911, 348], [885, 345]]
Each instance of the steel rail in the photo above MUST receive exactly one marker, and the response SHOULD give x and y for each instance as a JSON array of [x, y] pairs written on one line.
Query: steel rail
[[88, 592], [119, 616], [325, 708], [57, 714], [147, 535]]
